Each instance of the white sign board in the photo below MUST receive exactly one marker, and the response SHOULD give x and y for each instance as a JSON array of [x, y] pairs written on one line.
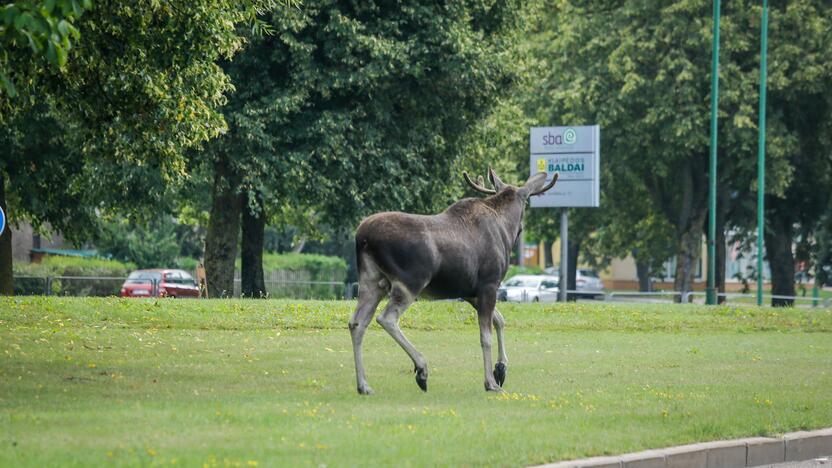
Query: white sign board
[[574, 153]]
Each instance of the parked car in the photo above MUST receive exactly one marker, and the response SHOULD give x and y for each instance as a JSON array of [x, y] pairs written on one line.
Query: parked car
[[585, 280], [160, 283], [529, 288]]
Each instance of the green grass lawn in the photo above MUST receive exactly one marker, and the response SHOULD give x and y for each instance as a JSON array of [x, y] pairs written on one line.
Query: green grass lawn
[[803, 292], [244, 383]]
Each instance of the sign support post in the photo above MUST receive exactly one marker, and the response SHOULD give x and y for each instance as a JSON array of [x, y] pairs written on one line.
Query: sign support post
[[521, 249], [564, 254]]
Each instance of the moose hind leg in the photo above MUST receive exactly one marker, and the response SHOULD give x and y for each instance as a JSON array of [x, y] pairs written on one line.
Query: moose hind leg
[[485, 314], [502, 361], [369, 295], [400, 300]]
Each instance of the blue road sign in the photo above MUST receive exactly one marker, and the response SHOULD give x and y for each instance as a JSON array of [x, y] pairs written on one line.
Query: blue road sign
[[2, 221]]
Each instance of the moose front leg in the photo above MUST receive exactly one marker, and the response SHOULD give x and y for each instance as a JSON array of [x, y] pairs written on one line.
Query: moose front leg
[[502, 360], [485, 313]]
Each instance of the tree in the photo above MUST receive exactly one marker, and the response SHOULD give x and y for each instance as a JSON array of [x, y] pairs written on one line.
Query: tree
[[352, 108], [110, 126], [37, 183], [801, 72], [641, 71]]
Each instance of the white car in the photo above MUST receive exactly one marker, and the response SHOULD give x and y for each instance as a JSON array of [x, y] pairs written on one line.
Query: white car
[[585, 280], [529, 288]]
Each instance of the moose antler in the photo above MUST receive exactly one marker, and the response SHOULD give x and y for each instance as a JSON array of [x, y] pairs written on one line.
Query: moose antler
[[495, 181], [478, 187], [549, 185]]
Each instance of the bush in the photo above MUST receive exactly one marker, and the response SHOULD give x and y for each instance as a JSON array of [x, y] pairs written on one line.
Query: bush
[[162, 242], [288, 274], [187, 263], [75, 266]]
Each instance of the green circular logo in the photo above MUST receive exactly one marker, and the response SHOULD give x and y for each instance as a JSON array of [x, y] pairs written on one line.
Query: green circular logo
[[569, 136]]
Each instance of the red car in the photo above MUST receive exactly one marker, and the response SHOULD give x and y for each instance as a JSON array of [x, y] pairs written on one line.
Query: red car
[[159, 283]]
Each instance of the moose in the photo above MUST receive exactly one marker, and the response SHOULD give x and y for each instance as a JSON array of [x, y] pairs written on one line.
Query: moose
[[462, 252]]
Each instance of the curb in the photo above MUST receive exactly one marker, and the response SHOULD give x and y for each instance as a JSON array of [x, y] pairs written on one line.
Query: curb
[[754, 451]]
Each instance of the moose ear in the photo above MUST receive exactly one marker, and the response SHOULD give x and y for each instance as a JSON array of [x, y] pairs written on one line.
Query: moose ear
[[536, 184], [495, 181]]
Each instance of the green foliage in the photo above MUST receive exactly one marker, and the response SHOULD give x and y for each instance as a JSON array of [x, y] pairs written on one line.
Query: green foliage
[[151, 246], [163, 242], [57, 265], [499, 139], [47, 28], [344, 96], [43, 175]]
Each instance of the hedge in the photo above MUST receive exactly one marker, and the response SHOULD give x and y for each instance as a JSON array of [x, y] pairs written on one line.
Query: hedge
[[55, 265], [514, 270], [319, 267]]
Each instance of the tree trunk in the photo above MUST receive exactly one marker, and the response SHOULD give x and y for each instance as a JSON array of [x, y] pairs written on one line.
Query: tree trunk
[[6, 274], [723, 206], [298, 248], [547, 254], [643, 273], [689, 227], [254, 228], [778, 238], [687, 259], [572, 269], [223, 229], [720, 263]]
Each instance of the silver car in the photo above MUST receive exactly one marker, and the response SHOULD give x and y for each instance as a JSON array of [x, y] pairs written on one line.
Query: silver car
[[529, 288]]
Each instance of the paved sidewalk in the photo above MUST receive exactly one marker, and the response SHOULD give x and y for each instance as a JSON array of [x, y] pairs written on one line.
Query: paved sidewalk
[[825, 462], [804, 449]]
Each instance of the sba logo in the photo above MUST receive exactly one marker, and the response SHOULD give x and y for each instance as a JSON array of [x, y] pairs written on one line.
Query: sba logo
[[570, 136]]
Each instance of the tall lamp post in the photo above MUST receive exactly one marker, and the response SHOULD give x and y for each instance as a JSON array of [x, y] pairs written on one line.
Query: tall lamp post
[[711, 291], [761, 155]]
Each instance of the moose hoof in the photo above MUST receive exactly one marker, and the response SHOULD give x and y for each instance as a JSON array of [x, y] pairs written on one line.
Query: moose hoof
[[500, 373], [365, 390], [422, 379], [493, 388]]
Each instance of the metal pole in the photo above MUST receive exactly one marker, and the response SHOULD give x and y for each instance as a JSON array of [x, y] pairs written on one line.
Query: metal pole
[[761, 155], [711, 291], [521, 247], [564, 253]]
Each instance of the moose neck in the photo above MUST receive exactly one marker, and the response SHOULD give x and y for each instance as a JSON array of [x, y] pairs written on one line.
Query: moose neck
[[509, 208]]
